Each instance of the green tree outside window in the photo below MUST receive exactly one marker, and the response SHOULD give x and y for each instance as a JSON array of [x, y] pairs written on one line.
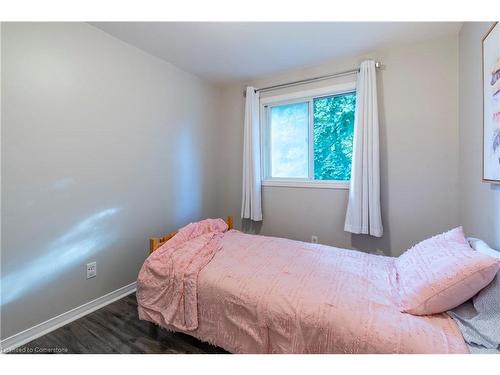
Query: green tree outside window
[[333, 136]]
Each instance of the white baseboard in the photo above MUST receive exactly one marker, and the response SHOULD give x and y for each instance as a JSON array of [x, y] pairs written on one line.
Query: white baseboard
[[21, 338]]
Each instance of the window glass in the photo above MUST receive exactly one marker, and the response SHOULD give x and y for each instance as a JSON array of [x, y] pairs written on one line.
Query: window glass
[[333, 136], [289, 143], [313, 146]]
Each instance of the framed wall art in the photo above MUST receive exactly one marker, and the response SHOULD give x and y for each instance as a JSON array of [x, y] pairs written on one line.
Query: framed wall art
[[491, 105]]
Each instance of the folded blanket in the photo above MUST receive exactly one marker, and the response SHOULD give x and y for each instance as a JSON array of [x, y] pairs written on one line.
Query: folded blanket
[[479, 318], [167, 282]]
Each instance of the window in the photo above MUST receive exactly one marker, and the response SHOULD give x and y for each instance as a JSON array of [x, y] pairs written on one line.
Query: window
[[308, 137]]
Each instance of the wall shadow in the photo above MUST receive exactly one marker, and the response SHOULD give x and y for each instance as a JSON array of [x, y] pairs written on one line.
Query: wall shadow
[[89, 236]]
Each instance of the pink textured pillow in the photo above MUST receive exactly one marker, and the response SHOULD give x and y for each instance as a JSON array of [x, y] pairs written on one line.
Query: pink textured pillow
[[442, 272]]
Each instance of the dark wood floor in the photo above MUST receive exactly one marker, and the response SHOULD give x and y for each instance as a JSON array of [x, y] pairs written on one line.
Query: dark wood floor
[[115, 328]]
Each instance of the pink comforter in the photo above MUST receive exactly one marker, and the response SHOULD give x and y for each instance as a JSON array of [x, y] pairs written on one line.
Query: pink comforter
[[259, 294]]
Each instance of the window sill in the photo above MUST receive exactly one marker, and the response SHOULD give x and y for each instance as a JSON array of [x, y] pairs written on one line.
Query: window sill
[[311, 184]]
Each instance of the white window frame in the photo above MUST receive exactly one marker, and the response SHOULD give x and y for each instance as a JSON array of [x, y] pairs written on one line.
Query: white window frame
[[298, 97]]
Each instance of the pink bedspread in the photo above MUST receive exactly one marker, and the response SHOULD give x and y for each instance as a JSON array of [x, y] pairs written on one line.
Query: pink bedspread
[[270, 295], [168, 281]]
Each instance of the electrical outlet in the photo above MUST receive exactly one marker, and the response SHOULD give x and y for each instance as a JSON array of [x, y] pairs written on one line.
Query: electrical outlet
[[91, 270], [314, 239]]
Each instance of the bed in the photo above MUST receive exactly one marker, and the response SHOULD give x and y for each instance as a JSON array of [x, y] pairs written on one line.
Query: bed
[[257, 294]]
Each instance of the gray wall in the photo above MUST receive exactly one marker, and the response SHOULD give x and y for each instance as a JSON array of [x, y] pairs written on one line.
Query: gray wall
[[479, 201], [418, 100], [103, 146]]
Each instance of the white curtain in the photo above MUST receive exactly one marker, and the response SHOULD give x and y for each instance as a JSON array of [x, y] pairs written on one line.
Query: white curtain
[[363, 210], [251, 197]]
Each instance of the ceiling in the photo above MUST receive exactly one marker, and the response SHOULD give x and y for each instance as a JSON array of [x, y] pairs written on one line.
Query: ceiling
[[225, 51]]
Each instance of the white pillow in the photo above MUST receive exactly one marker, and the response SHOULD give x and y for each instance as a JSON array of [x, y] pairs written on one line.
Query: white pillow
[[482, 247]]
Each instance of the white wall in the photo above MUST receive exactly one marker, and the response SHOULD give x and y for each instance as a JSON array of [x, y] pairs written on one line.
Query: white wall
[[418, 100], [103, 146], [479, 201]]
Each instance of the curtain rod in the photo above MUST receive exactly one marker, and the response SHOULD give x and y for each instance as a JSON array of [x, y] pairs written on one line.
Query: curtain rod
[[378, 64]]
